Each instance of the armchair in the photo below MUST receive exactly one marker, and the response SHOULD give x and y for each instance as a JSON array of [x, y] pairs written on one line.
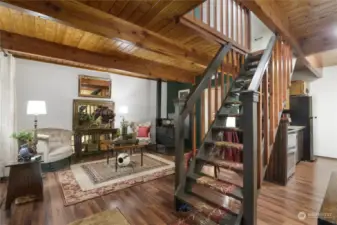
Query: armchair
[[54, 144], [144, 138]]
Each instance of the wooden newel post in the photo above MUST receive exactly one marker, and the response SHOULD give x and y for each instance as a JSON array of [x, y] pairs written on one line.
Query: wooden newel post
[[179, 150], [249, 101], [179, 142]]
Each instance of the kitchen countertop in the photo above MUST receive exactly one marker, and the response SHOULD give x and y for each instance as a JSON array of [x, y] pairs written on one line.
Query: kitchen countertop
[[294, 129]]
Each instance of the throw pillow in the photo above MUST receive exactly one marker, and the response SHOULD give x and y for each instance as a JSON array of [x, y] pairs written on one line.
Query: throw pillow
[[143, 131]]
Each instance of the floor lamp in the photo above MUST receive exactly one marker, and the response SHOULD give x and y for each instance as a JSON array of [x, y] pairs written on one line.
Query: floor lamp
[[36, 108]]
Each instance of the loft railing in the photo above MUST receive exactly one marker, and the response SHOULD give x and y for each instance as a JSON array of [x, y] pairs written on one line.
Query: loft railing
[[226, 19], [263, 104]]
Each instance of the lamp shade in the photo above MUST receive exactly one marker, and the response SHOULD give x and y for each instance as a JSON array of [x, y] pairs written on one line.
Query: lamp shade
[[124, 110], [36, 108]]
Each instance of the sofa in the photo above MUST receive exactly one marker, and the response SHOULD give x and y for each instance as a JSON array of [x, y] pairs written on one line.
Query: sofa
[[54, 144], [144, 138]]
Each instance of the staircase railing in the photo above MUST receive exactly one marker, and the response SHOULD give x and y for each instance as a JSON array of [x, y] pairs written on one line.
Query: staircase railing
[[183, 108], [263, 104]]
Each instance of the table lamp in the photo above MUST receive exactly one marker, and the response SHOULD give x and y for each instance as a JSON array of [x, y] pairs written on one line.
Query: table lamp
[[36, 108]]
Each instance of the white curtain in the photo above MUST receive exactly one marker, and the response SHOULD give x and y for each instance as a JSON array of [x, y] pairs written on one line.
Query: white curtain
[[8, 146]]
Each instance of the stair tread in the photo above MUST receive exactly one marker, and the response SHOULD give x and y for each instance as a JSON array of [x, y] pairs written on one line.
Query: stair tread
[[222, 187], [247, 73], [230, 114], [236, 90], [232, 103], [253, 58], [251, 65], [218, 127], [194, 218], [214, 213], [218, 200], [243, 80], [223, 175], [230, 165], [225, 144]]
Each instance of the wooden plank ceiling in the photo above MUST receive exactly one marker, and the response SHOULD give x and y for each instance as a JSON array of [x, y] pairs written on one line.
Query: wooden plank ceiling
[[314, 24], [138, 38]]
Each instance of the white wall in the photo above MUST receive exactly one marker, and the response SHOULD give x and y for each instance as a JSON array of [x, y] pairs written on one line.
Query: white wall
[[58, 86], [324, 93], [260, 34]]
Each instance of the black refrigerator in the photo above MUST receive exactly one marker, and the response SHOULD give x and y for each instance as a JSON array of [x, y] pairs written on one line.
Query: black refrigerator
[[301, 115]]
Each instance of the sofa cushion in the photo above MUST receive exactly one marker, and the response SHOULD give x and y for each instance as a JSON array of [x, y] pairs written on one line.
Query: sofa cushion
[[143, 131], [60, 153], [144, 140]]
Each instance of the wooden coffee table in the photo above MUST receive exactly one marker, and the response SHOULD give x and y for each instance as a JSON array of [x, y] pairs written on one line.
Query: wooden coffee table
[[115, 149]]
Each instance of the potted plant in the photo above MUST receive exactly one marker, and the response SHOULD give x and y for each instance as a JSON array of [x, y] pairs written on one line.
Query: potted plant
[[23, 137]]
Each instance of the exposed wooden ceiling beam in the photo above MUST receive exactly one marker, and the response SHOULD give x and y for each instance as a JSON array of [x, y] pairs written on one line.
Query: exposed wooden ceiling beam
[[270, 13], [62, 62], [79, 15], [133, 64]]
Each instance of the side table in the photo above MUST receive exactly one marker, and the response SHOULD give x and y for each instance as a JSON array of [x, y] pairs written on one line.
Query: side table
[[24, 179]]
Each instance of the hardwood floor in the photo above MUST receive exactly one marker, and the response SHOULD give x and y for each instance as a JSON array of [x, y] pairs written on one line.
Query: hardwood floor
[[152, 203]]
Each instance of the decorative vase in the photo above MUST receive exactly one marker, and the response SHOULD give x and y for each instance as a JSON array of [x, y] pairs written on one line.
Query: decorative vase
[[20, 143], [123, 159]]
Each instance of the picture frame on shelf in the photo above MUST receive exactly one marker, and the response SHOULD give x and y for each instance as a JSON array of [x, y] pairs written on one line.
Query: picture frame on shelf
[[183, 94]]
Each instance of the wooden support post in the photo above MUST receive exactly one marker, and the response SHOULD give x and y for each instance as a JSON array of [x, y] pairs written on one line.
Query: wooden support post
[[221, 16], [227, 18], [248, 37], [232, 20], [216, 97], [215, 14], [249, 100], [286, 61], [266, 126], [289, 66], [222, 80], [243, 25], [285, 84], [234, 60], [280, 97], [238, 23], [277, 74], [283, 77], [179, 144], [194, 131], [179, 152], [209, 105], [259, 137], [227, 60], [202, 116], [272, 98]]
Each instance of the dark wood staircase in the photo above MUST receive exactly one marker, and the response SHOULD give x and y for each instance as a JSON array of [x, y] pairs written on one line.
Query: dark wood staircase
[[212, 188]]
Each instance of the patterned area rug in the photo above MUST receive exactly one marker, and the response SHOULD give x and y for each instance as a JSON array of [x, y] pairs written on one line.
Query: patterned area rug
[[113, 217], [78, 186], [100, 171]]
